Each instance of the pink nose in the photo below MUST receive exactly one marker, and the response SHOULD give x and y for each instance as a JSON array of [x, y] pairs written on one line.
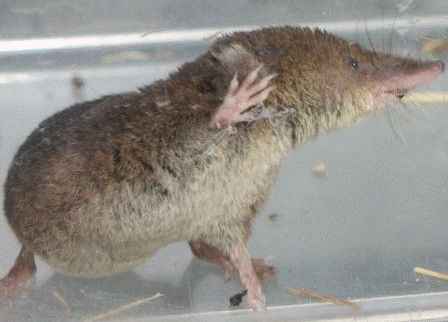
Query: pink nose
[[438, 64]]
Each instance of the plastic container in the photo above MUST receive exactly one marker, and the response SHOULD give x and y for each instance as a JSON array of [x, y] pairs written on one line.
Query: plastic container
[[351, 215]]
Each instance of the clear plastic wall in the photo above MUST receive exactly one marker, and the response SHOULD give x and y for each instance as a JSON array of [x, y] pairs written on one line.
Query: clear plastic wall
[[351, 215]]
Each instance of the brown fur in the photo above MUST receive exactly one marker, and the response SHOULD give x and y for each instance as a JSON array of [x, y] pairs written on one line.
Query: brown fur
[[100, 186]]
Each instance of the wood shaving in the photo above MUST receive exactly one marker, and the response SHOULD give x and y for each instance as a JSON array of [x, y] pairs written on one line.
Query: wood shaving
[[123, 308], [62, 300], [326, 298], [438, 46], [427, 97], [428, 272]]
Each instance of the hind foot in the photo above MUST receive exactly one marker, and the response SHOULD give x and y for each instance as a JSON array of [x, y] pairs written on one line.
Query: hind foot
[[251, 270], [241, 260], [16, 282]]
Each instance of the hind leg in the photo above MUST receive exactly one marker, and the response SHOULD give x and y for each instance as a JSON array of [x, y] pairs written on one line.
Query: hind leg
[[213, 255], [250, 271], [242, 262], [20, 275]]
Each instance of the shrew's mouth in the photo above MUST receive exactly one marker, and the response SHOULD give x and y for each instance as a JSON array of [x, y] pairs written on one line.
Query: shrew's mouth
[[399, 93]]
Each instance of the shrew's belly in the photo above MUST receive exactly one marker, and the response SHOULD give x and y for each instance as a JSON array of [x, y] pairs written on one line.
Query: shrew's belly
[[94, 260], [106, 235]]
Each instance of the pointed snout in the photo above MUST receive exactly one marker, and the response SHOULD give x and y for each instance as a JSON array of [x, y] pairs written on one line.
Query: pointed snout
[[438, 66]]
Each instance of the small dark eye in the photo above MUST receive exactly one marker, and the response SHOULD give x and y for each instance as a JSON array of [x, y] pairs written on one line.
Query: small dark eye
[[353, 63]]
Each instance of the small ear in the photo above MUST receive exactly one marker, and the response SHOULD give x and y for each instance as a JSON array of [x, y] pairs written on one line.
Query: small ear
[[236, 58]]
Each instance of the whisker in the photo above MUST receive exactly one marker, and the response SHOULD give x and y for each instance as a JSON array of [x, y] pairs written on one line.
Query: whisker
[[408, 120], [370, 40], [390, 41], [424, 115], [416, 106], [398, 135]]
